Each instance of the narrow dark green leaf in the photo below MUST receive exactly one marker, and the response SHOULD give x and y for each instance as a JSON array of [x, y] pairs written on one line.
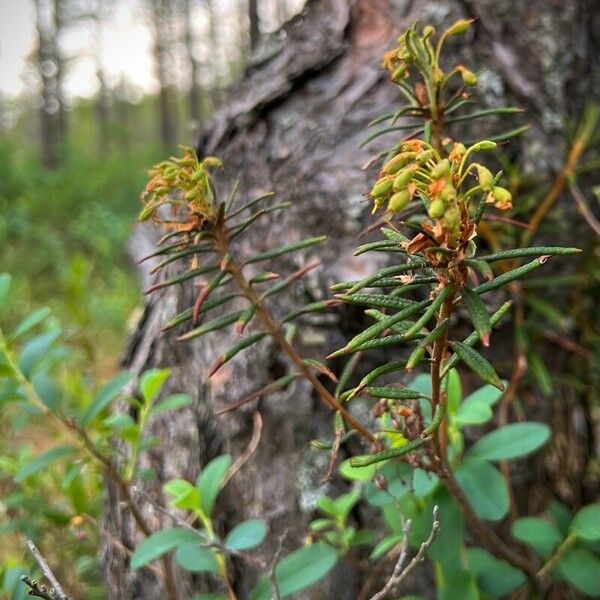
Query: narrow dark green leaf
[[379, 246], [245, 319], [395, 393], [346, 374], [385, 282], [477, 363], [384, 273], [234, 350], [481, 266], [376, 301], [419, 353], [533, 251], [210, 287], [504, 110], [182, 278], [365, 461], [400, 328], [166, 250], [394, 236], [429, 313], [506, 278], [274, 252], [178, 255], [250, 204], [505, 135], [232, 195], [385, 131], [309, 308], [213, 325], [383, 342], [472, 339], [479, 315], [378, 328], [264, 276], [375, 374], [186, 315]]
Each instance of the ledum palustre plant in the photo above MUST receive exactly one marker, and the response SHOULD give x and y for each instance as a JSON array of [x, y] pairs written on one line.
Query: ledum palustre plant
[[433, 191]]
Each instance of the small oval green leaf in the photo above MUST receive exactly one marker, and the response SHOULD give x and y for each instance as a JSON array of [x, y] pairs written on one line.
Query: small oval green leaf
[[511, 441]]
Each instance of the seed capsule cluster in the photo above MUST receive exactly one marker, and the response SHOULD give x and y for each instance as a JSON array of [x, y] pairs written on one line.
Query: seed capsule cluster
[[418, 51], [189, 178], [419, 171]]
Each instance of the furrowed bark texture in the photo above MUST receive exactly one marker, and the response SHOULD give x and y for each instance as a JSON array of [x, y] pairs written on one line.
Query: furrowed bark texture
[[294, 126]]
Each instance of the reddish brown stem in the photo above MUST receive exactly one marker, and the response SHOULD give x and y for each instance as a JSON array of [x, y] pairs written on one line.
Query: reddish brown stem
[[275, 331]]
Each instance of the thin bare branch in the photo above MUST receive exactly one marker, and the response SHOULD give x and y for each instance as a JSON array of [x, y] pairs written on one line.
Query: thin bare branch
[[400, 572], [48, 574]]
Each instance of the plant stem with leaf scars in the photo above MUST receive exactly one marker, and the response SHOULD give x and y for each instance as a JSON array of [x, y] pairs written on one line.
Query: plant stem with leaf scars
[[275, 331], [437, 397]]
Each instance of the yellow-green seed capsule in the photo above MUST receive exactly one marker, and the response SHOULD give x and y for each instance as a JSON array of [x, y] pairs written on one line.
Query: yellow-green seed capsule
[[442, 169], [382, 187], [398, 201], [436, 209], [399, 73], [459, 27], [212, 162], [438, 76], [469, 78], [395, 164], [486, 179], [428, 31], [402, 179], [448, 193], [162, 190], [452, 218], [502, 197], [483, 146], [424, 156]]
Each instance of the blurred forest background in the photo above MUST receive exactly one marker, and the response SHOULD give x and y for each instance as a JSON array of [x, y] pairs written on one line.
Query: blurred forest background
[[91, 94]]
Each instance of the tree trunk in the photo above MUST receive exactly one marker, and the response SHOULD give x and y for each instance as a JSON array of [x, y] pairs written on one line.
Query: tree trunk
[[52, 119], [294, 126], [193, 93], [254, 23], [163, 67]]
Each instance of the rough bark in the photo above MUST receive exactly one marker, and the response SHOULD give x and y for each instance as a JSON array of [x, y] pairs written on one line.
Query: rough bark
[[294, 126], [163, 67]]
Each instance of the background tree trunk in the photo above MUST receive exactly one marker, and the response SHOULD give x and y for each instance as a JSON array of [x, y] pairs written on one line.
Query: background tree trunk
[[294, 125]]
